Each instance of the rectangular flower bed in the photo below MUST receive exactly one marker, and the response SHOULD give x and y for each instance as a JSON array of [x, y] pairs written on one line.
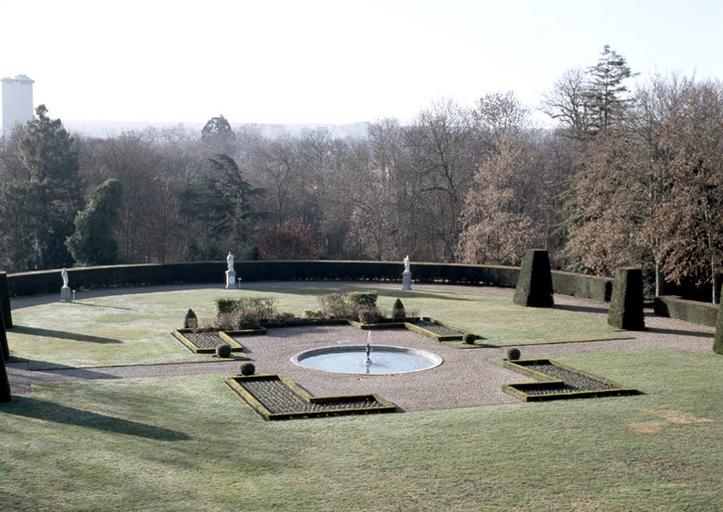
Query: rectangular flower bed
[[557, 381], [275, 397], [435, 329], [205, 342]]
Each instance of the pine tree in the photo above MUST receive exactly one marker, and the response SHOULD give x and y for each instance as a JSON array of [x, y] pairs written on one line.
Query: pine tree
[[606, 94]]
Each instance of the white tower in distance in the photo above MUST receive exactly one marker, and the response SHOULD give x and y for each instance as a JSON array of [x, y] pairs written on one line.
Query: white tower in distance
[[17, 102]]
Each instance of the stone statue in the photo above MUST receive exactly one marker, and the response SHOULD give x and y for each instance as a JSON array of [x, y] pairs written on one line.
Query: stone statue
[[230, 273], [65, 292], [229, 261], [406, 275]]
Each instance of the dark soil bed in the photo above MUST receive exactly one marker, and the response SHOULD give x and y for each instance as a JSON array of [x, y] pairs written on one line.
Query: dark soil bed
[[439, 330], [574, 380]]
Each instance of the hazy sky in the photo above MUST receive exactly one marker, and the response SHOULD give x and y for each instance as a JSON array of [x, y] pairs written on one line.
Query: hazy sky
[[308, 61]]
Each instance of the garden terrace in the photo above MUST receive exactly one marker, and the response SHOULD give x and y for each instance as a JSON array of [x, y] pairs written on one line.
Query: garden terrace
[[132, 411]]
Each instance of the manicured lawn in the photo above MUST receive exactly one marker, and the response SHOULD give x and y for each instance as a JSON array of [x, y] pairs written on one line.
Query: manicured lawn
[[189, 443], [134, 328]]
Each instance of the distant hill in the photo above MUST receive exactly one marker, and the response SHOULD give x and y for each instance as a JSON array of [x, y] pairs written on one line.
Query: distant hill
[[111, 128]]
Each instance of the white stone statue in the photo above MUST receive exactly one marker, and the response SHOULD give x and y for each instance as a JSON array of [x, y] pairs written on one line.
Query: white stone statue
[[229, 261], [65, 292], [406, 275]]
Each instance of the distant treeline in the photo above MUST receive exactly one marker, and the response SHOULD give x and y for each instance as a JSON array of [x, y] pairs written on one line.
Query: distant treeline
[[625, 178]]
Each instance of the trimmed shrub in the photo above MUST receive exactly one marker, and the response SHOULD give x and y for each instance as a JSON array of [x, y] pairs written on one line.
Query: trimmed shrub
[[225, 306], [191, 320], [469, 338], [223, 350], [315, 315], [534, 285], [366, 298], [514, 354], [703, 313], [5, 300], [626, 304], [718, 342], [4, 348], [246, 313], [335, 305], [368, 315], [398, 312], [581, 285], [247, 369]]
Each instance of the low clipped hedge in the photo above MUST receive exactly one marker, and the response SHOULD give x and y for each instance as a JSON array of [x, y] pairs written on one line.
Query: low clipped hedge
[[49, 281], [581, 285], [688, 310]]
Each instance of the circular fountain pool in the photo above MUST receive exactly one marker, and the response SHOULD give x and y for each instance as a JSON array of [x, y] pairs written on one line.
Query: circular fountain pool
[[381, 360]]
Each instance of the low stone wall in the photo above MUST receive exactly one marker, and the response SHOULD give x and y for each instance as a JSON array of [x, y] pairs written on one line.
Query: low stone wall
[[688, 310]]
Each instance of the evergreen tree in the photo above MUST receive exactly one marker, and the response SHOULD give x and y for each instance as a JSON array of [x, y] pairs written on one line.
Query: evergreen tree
[[93, 242], [47, 191], [606, 94]]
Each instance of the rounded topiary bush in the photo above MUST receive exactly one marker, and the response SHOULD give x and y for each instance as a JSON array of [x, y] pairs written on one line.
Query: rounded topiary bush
[[513, 354], [469, 338], [223, 350], [247, 369]]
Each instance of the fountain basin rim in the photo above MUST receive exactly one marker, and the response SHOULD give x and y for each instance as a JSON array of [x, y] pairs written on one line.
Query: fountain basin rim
[[433, 358]]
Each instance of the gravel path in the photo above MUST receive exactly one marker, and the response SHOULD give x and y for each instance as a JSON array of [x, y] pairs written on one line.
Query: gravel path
[[467, 378]]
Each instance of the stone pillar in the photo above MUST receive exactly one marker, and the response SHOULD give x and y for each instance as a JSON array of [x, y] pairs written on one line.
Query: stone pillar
[[230, 280], [5, 300], [407, 280], [626, 303], [718, 343], [66, 294], [534, 284]]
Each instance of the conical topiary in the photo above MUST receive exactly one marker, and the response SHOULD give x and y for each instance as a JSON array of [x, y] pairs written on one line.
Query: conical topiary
[[5, 300], [4, 341], [718, 343], [626, 303], [191, 320], [398, 312], [534, 284], [4, 382]]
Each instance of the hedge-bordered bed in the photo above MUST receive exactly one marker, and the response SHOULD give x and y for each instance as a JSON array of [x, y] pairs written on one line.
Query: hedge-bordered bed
[[557, 381]]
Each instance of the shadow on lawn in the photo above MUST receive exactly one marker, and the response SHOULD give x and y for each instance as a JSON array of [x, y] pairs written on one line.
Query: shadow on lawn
[[581, 309], [680, 332], [79, 303], [62, 335], [56, 413], [381, 292]]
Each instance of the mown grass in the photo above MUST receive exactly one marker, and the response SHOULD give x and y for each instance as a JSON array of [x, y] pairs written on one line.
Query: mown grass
[[189, 443], [135, 328]]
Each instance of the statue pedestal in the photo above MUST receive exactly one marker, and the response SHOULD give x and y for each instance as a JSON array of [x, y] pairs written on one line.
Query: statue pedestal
[[65, 294], [230, 280], [407, 280]]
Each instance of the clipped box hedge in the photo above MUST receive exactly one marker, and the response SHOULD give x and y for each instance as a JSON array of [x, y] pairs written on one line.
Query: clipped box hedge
[[580, 285], [202, 272], [688, 310]]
